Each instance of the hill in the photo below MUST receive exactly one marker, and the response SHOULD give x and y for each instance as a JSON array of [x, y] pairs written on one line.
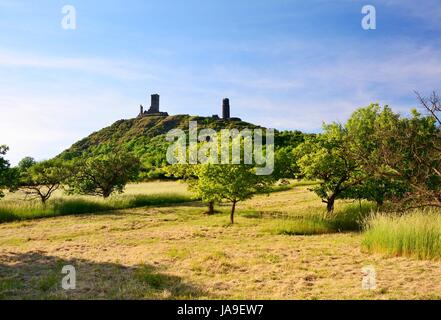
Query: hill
[[145, 137]]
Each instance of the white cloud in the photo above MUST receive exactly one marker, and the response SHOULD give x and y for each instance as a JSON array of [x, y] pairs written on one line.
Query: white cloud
[[114, 68]]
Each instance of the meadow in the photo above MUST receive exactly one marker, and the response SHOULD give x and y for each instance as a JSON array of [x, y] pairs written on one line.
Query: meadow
[[282, 246]]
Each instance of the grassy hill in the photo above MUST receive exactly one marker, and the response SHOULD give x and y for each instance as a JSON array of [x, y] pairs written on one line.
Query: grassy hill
[[145, 137]]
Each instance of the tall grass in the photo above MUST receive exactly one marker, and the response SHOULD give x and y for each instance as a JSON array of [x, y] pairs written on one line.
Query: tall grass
[[22, 210], [416, 234], [305, 226], [350, 217]]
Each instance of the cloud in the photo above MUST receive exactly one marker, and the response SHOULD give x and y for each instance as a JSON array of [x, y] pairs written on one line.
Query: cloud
[[118, 69]]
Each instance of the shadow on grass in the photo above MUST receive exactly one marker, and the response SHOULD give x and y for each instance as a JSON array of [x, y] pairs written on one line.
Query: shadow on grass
[[35, 275]]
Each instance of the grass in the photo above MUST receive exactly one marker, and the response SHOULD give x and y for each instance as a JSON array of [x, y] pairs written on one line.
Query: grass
[[349, 217], [417, 234], [177, 252], [13, 209], [157, 193], [302, 226]]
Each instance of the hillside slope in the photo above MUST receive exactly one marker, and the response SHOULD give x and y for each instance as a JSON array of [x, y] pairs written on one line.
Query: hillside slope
[[145, 136]]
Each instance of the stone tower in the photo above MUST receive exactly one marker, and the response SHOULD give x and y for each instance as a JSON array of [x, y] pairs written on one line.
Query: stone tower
[[154, 108], [226, 108]]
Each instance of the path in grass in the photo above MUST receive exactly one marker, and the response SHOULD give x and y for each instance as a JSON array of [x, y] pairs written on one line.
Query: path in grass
[[176, 252]]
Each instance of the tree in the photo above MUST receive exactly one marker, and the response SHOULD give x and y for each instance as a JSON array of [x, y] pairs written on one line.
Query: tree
[[410, 151], [232, 182], [8, 176], [42, 179], [327, 157], [191, 174], [285, 164], [365, 131], [103, 175], [26, 163]]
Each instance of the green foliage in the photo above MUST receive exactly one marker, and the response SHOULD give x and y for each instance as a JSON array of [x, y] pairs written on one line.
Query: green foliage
[[104, 174], [366, 128], [285, 164], [326, 157], [41, 180], [230, 182], [144, 138], [8, 175], [417, 234], [400, 157], [215, 182], [26, 163]]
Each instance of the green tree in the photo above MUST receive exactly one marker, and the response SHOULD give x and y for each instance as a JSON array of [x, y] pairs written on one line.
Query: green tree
[[103, 175], [327, 157], [365, 130], [8, 176], [190, 174], [231, 182], [26, 163], [410, 151], [42, 179], [285, 164]]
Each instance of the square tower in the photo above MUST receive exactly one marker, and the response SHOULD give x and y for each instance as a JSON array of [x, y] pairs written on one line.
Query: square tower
[[154, 108]]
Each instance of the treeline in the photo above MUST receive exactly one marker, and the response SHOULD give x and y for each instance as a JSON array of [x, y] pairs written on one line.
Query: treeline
[[97, 175]]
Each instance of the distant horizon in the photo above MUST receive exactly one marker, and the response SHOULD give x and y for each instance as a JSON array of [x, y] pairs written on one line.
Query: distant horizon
[[288, 65]]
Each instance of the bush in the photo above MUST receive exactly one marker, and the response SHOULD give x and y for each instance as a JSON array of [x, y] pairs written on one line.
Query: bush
[[416, 234]]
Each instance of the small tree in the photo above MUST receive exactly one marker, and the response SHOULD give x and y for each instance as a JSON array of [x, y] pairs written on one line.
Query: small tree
[[190, 174], [327, 157], [41, 180], [104, 174], [231, 182]]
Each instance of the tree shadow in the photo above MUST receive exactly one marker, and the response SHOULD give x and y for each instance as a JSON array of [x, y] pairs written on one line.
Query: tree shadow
[[35, 275]]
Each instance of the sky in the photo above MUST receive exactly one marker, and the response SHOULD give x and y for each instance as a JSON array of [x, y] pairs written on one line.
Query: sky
[[284, 64]]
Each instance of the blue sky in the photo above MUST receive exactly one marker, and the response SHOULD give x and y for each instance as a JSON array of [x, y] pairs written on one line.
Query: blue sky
[[286, 64]]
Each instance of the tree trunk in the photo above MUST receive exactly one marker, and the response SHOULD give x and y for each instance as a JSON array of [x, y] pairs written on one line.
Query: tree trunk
[[210, 208], [379, 204], [233, 208], [330, 204]]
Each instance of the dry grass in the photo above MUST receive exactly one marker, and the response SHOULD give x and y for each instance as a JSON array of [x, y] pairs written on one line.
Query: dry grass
[[176, 252]]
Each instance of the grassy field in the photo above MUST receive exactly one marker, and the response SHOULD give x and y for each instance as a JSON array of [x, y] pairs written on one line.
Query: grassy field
[[176, 252], [15, 206]]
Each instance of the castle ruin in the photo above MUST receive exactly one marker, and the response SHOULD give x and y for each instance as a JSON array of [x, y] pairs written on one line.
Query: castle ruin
[[154, 109]]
